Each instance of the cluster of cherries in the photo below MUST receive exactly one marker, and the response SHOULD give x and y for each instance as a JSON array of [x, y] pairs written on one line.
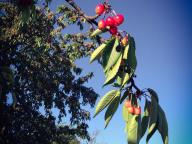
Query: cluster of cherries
[[111, 22], [132, 109]]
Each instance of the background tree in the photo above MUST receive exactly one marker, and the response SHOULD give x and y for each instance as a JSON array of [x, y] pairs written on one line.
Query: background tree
[[37, 70]]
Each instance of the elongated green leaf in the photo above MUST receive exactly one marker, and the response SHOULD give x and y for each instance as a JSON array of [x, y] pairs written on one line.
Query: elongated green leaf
[[125, 54], [134, 127], [105, 100], [114, 56], [153, 93], [126, 79], [125, 95], [113, 72], [153, 116], [132, 61], [97, 53], [162, 125], [107, 52], [145, 118], [98, 32], [126, 115], [112, 108]]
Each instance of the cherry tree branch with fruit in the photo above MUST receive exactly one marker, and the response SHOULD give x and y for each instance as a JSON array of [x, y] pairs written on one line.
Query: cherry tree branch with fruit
[[118, 59]]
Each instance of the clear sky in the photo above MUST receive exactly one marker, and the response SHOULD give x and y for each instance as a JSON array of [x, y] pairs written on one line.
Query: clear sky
[[163, 35]]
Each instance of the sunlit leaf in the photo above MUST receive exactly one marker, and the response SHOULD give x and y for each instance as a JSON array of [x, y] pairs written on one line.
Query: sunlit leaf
[[125, 54], [153, 117], [107, 52], [114, 56], [162, 125], [112, 108], [145, 118], [98, 32], [125, 95], [105, 100], [134, 128], [113, 72], [132, 61], [97, 53]]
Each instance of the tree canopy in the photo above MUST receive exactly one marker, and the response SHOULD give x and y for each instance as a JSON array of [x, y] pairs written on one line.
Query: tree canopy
[[38, 71]]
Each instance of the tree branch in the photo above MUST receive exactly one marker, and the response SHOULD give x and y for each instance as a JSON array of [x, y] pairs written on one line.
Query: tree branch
[[90, 19], [133, 84]]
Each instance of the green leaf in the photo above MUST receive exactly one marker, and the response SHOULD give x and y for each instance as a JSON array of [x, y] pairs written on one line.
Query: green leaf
[[163, 125], [153, 116], [145, 118], [125, 54], [107, 52], [114, 56], [125, 95], [132, 61], [126, 79], [154, 94], [113, 72], [97, 53], [112, 108], [134, 128], [126, 114], [119, 80], [25, 15], [105, 100], [98, 32]]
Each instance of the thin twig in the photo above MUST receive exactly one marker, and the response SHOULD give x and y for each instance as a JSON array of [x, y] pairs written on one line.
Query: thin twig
[[90, 19]]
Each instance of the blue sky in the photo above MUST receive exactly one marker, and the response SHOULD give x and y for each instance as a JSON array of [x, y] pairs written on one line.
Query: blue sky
[[163, 36]]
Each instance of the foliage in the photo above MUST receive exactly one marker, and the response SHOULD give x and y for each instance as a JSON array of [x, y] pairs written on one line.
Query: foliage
[[38, 72]]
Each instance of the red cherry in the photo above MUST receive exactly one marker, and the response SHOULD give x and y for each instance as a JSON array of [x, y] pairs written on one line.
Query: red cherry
[[137, 110], [100, 8], [113, 30], [127, 103], [119, 19], [131, 110], [101, 24], [110, 22]]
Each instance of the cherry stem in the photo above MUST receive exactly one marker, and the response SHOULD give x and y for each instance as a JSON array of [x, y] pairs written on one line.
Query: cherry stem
[[113, 11]]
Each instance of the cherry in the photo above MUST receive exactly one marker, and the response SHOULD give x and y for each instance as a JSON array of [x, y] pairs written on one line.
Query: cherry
[[127, 103], [113, 30], [137, 110], [110, 22], [100, 8], [131, 110], [124, 41], [101, 24], [119, 19]]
